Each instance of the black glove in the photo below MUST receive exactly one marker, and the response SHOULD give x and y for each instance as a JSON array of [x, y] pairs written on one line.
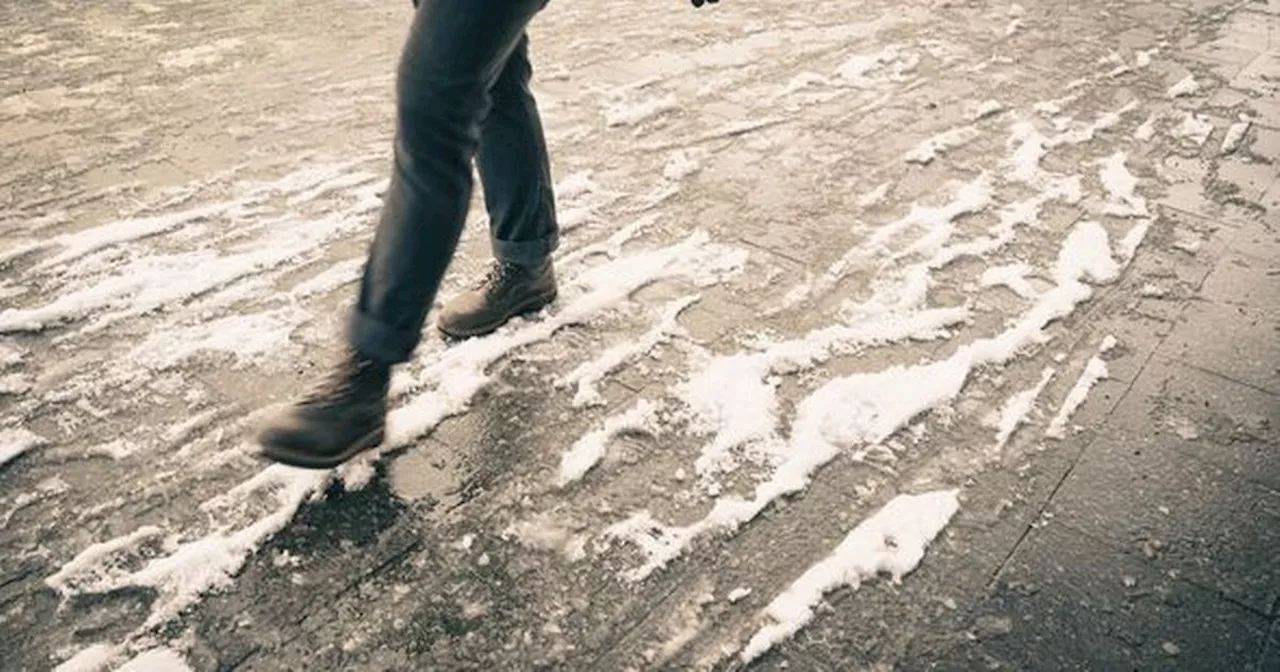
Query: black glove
[[699, 3]]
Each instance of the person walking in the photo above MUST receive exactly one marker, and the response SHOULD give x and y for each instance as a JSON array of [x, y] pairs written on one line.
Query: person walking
[[462, 94]]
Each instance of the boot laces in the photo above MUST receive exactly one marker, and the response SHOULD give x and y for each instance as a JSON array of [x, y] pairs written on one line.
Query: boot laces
[[498, 274]]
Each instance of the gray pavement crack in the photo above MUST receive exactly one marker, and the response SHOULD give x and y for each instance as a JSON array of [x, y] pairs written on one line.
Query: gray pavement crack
[[1223, 376]]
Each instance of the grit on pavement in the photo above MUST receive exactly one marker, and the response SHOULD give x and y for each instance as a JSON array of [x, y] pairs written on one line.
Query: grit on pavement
[[924, 335]]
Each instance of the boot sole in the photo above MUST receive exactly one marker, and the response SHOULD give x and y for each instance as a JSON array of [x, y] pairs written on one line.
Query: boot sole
[[310, 461], [533, 305]]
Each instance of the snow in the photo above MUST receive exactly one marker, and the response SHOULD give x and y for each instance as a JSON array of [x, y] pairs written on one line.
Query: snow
[[338, 275], [930, 149], [94, 658], [187, 570], [16, 441], [1187, 86], [892, 541], [1120, 185], [986, 108], [1013, 276], [248, 337], [156, 660], [1235, 135], [1094, 370], [732, 397], [459, 372], [146, 284], [1195, 127], [679, 166], [874, 196], [588, 376], [852, 413], [864, 70], [587, 451], [1147, 130], [1017, 409], [630, 114]]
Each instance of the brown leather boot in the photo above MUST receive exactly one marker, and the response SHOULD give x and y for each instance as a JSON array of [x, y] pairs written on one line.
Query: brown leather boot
[[507, 290], [344, 415]]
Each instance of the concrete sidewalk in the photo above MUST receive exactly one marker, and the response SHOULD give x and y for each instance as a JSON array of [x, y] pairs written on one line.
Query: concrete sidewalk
[[883, 189]]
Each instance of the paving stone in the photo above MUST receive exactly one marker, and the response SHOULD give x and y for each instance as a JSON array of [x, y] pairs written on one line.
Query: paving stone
[[1137, 493], [1245, 348], [1066, 601]]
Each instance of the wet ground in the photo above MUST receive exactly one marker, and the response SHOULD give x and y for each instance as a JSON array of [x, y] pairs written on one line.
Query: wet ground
[[1017, 260]]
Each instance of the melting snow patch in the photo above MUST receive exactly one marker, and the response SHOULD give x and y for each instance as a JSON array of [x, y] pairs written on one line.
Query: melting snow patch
[[857, 70], [892, 541], [1094, 371], [247, 337], [986, 109], [587, 376], [1120, 185], [1147, 130], [1015, 411], [545, 534], [853, 413], [93, 658], [874, 196], [590, 449], [1013, 276], [191, 569], [15, 442], [928, 150], [459, 372], [1235, 135], [630, 114], [156, 660], [1195, 127], [1188, 86], [679, 166]]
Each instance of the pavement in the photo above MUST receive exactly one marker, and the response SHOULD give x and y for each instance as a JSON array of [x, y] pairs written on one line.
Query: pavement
[[842, 253]]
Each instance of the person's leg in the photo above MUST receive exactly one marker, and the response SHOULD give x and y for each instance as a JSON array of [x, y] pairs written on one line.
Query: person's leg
[[516, 173], [454, 54]]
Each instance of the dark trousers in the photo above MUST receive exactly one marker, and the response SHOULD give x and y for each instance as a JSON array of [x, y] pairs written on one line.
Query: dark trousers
[[462, 93]]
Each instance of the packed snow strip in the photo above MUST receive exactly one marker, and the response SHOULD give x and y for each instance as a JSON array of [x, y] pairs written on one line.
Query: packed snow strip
[[1015, 411], [145, 284], [81, 243], [1234, 136], [890, 64], [338, 275], [453, 379], [588, 376], [1120, 185], [186, 570], [733, 397], [893, 541], [16, 441], [1187, 86], [590, 449], [849, 414], [1094, 371], [1087, 132], [99, 657], [930, 149], [632, 113], [1013, 276], [248, 337], [936, 221]]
